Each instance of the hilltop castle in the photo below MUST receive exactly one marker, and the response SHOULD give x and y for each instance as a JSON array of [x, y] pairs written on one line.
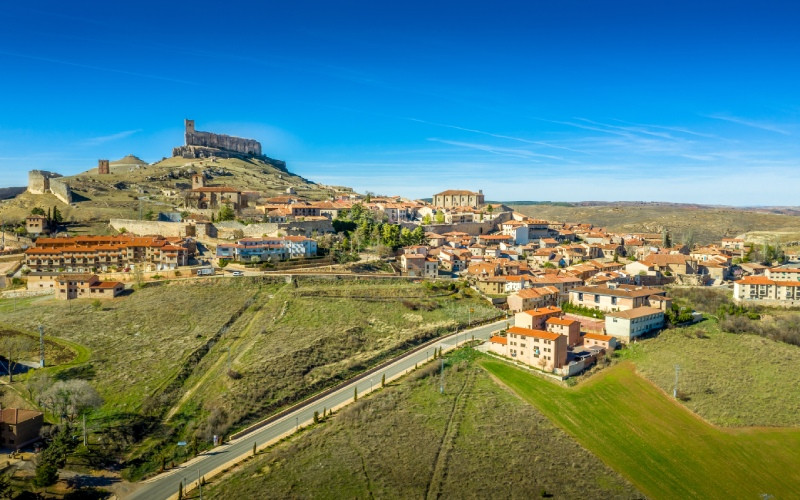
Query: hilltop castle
[[207, 144]]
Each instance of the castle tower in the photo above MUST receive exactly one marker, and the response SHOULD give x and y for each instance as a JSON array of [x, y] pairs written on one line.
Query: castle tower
[[102, 167], [198, 181], [188, 134]]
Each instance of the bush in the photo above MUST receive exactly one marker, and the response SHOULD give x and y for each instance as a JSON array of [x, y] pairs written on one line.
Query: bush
[[46, 474]]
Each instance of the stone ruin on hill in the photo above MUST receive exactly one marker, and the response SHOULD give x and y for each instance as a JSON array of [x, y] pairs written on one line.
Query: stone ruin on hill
[[42, 181], [209, 145]]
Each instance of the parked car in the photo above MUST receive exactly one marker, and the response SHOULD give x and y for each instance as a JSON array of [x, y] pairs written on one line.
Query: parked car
[[238, 273]]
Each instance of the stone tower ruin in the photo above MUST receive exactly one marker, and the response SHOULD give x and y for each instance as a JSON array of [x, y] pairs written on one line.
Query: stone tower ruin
[[102, 167], [198, 181]]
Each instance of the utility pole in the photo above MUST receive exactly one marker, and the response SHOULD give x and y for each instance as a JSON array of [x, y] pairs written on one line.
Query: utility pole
[[441, 379], [675, 390], [199, 483], [41, 346]]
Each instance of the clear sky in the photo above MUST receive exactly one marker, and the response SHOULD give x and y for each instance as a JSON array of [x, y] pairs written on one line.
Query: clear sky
[[531, 100]]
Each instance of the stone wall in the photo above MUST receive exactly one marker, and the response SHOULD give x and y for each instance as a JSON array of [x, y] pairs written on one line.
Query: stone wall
[[471, 228], [39, 181], [146, 227], [220, 141], [42, 181], [61, 190]]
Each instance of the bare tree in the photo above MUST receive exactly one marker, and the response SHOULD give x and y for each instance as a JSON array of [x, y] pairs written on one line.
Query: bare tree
[[13, 347], [71, 398]]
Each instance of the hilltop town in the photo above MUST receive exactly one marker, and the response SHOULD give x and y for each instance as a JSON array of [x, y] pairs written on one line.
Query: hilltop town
[[323, 287]]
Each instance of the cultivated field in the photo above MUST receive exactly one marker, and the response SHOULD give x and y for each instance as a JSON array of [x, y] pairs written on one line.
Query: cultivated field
[[662, 448], [707, 224], [476, 440]]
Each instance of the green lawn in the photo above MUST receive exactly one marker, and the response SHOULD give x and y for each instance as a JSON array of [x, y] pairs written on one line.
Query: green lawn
[[664, 449]]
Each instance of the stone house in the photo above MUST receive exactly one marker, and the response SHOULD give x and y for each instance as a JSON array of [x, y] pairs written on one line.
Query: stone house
[[19, 428]]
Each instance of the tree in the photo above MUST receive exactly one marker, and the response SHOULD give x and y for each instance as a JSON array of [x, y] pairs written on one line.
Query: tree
[[226, 212], [38, 211], [391, 235], [355, 393], [489, 209], [13, 347], [57, 218], [426, 219], [439, 217], [383, 380], [71, 398], [406, 239], [316, 417], [418, 236], [666, 241]]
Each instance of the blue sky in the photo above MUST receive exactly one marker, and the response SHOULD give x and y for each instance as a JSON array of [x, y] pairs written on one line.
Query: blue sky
[[537, 100]]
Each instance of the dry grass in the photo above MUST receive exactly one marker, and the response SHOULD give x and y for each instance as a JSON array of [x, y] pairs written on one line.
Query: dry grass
[[396, 444], [728, 379], [708, 224], [307, 338], [138, 342]]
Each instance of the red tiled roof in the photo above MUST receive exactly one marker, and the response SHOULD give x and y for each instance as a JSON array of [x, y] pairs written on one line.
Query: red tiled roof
[[533, 333]]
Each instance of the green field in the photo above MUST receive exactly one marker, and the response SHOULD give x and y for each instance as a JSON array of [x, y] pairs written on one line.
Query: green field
[[476, 440], [662, 448]]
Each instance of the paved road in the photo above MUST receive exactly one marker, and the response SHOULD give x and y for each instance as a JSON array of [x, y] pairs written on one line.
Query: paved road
[[166, 485]]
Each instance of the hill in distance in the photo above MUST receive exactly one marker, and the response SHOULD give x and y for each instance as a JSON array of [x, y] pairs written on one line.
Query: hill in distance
[[702, 223], [133, 182]]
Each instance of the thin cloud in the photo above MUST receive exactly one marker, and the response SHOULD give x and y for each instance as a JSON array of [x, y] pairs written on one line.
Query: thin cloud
[[750, 123], [96, 68], [94, 141], [492, 134]]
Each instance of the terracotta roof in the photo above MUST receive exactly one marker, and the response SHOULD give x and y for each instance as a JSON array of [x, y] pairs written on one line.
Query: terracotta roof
[[533, 333], [499, 340], [15, 415], [543, 311], [458, 192], [597, 336], [561, 321], [107, 284]]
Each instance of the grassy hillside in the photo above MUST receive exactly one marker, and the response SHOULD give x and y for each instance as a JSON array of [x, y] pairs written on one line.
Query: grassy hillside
[[408, 441], [728, 379], [159, 357], [158, 187], [707, 224], [662, 448]]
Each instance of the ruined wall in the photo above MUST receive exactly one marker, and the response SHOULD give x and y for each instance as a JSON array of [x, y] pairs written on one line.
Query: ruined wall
[[61, 190], [42, 181], [102, 167], [39, 181], [146, 227], [221, 141]]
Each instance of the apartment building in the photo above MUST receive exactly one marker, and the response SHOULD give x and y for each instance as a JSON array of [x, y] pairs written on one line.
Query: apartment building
[[615, 297], [266, 248], [86, 286], [538, 348], [535, 319], [768, 291], [530, 298], [106, 253], [569, 328], [631, 323]]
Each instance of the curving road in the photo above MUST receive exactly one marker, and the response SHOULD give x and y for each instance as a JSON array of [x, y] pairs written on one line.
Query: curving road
[[166, 485]]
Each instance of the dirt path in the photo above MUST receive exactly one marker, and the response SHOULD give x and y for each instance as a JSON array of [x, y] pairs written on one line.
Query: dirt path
[[439, 473]]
